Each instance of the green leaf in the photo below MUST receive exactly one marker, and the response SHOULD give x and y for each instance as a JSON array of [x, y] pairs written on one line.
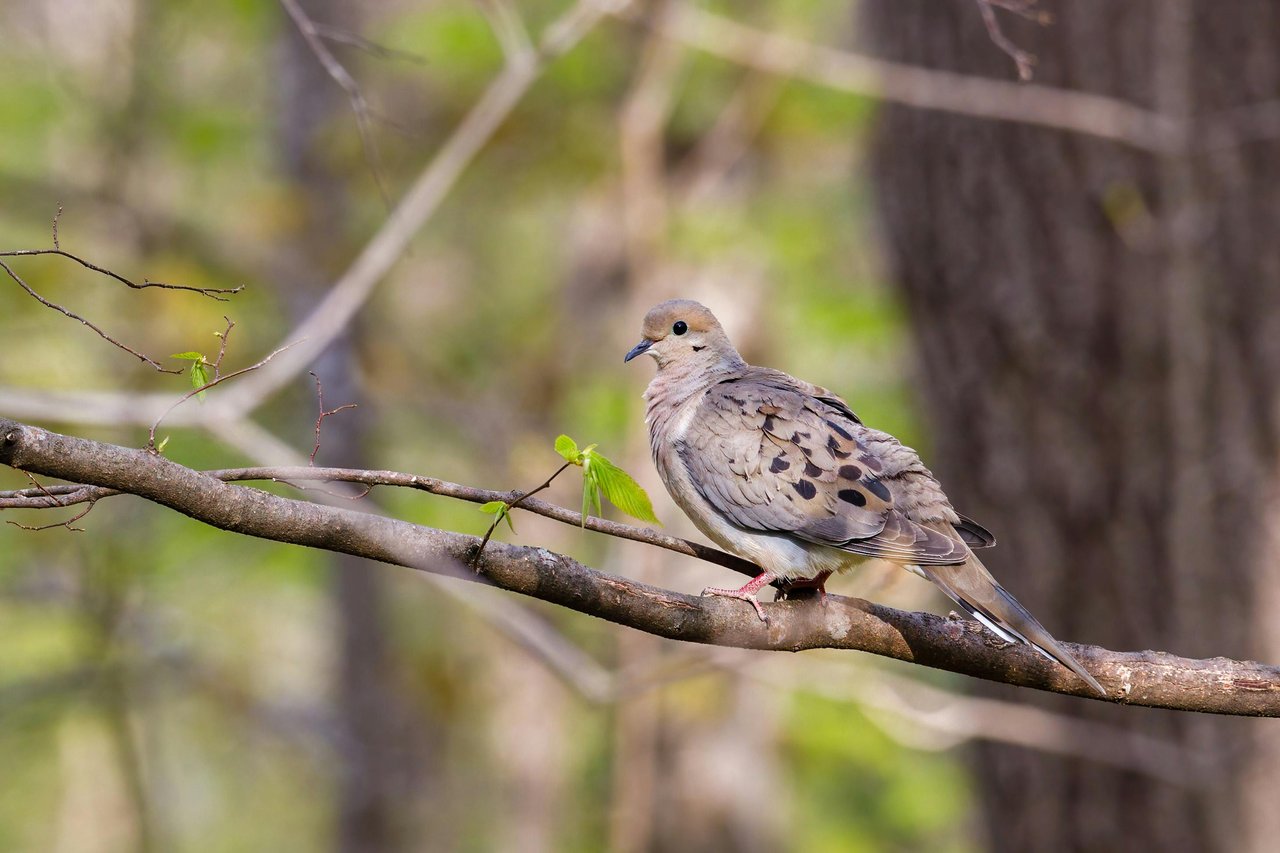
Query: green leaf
[[199, 377], [590, 492], [189, 356], [163, 442], [619, 487], [502, 510], [568, 448]]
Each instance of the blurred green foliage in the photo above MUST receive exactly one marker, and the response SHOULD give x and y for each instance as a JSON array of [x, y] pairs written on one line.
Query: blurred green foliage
[[162, 682]]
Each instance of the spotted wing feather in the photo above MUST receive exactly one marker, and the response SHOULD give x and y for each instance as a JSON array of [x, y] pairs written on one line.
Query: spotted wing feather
[[771, 456]]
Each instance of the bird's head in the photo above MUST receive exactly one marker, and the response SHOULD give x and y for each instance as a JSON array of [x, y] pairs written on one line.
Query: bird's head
[[684, 334]]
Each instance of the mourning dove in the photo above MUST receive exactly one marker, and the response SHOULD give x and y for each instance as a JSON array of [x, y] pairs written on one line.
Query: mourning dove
[[784, 474]]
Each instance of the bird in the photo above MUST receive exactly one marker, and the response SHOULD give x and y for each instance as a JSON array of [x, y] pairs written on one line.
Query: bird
[[784, 474]]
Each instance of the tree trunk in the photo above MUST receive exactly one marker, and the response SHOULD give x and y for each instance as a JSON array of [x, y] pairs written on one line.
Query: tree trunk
[[1098, 329]]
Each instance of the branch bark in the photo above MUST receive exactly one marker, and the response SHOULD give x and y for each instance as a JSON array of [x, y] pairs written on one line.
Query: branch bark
[[1153, 679]]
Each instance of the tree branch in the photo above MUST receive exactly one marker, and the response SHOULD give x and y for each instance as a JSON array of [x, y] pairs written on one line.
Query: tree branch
[[1154, 679]]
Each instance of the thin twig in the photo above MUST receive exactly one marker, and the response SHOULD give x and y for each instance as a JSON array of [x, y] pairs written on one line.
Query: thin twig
[[74, 316], [216, 293], [513, 504], [151, 433], [337, 71], [1026, 62], [69, 523], [222, 346], [56, 217], [341, 36], [52, 497], [324, 414]]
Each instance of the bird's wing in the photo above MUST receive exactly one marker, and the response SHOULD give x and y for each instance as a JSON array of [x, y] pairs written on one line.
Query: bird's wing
[[771, 455]]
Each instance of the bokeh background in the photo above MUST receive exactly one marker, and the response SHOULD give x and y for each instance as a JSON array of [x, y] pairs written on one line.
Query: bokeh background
[[1063, 293]]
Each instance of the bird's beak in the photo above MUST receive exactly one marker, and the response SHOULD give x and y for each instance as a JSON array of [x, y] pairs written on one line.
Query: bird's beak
[[639, 349]]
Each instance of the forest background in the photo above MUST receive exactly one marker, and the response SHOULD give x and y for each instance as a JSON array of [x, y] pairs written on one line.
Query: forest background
[[1061, 291]]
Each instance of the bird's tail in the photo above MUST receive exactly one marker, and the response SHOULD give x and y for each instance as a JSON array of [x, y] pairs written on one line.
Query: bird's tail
[[972, 587]]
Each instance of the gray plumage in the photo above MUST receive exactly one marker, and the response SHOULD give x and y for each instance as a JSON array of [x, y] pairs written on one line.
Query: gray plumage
[[783, 473]]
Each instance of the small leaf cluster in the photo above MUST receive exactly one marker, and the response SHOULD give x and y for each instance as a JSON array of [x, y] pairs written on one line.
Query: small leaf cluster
[[601, 477], [501, 510], [199, 369]]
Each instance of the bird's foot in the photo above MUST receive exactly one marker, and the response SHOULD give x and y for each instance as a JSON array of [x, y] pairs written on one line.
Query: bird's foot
[[816, 585], [747, 592]]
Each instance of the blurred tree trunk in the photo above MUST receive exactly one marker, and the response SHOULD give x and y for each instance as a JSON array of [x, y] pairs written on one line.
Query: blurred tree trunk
[[379, 763], [1099, 335]]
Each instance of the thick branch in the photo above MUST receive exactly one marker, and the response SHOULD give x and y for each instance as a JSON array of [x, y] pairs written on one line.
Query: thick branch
[[1155, 679]]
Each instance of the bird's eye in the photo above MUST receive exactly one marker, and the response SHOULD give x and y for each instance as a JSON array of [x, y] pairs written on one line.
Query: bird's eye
[[680, 327]]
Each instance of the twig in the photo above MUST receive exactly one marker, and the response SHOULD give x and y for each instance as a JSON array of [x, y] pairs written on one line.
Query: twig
[[1026, 62], [512, 504], [330, 492], [74, 316], [324, 414], [337, 71], [69, 523], [341, 36], [56, 217], [151, 433], [222, 346], [52, 497], [216, 293], [509, 30]]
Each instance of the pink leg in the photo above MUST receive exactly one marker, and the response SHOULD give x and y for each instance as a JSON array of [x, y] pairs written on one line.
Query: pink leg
[[747, 592]]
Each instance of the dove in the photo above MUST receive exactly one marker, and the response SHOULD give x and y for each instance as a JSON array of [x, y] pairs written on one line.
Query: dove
[[784, 474]]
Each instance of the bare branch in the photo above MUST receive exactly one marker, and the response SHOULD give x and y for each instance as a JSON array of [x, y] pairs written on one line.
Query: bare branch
[[56, 217], [216, 293], [222, 346], [69, 523], [1154, 679], [74, 316], [1046, 106], [509, 30], [1025, 62], [320, 420], [336, 70], [341, 36]]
